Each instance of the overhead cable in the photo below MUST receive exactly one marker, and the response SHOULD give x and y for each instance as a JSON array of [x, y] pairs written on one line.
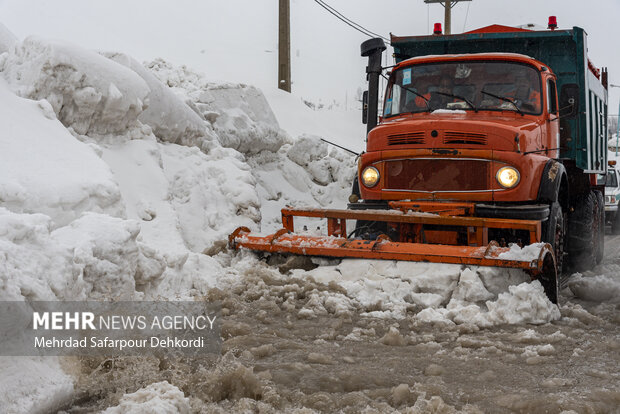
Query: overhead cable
[[348, 21]]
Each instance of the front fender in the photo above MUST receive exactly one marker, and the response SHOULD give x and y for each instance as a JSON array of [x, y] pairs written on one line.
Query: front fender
[[550, 189]]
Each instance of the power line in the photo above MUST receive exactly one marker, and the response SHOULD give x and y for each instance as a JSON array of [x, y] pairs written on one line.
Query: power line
[[348, 21], [466, 16]]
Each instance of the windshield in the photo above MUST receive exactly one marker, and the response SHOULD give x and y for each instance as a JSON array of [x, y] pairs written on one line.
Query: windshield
[[609, 179], [479, 85]]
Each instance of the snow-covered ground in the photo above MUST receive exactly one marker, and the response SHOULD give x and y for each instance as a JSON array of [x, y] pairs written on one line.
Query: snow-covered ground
[[122, 180]]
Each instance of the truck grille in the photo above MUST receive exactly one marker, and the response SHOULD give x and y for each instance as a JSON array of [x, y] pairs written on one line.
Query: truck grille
[[437, 175], [455, 137], [406, 138]]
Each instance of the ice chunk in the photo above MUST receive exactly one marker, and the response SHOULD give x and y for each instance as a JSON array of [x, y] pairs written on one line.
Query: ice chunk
[[160, 397], [471, 288]]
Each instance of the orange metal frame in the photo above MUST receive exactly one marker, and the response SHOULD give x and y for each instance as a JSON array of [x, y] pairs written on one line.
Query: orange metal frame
[[479, 252], [477, 227]]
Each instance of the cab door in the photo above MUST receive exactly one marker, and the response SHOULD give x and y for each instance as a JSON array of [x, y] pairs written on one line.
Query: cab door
[[552, 122]]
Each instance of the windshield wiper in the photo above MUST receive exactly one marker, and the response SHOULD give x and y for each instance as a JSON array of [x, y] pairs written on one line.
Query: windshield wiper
[[462, 98], [505, 99], [426, 102]]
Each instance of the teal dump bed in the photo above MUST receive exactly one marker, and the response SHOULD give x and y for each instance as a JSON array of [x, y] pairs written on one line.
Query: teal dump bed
[[584, 135]]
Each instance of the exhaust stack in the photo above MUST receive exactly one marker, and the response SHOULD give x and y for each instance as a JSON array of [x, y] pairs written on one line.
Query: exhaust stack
[[372, 48]]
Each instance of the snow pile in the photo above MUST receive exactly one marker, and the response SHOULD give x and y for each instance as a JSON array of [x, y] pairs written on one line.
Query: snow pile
[[239, 114], [305, 172], [524, 303], [158, 398], [169, 118], [211, 194], [109, 258], [96, 256], [33, 385], [90, 94], [32, 266], [599, 288], [44, 169], [527, 253], [7, 39], [311, 153], [308, 173], [185, 199], [440, 293]]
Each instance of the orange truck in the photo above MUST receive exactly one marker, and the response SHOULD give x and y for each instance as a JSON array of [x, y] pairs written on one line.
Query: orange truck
[[486, 139]]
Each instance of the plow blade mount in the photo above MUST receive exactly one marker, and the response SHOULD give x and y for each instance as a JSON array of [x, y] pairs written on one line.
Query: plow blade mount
[[337, 245]]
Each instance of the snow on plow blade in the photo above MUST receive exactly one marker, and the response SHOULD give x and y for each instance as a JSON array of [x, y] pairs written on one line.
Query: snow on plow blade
[[540, 264]]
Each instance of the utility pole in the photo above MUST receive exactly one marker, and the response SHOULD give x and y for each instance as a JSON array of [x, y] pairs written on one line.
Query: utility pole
[[284, 46], [447, 19]]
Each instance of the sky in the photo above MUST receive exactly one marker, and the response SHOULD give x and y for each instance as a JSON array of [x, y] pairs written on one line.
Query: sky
[[237, 40]]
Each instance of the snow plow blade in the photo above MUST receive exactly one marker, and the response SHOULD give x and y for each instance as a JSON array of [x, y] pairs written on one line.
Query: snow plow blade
[[480, 252]]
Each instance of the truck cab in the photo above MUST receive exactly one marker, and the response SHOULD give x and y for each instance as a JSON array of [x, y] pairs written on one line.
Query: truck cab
[[478, 127], [611, 181]]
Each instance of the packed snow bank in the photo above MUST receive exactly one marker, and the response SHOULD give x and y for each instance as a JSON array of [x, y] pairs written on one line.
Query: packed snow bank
[[212, 194], [32, 266], [239, 113], [307, 173], [7, 39], [33, 385], [160, 398], [185, 199], [110, 260], [170, 119], [303, 172], [89, 93], [95, 256], [45, 170]]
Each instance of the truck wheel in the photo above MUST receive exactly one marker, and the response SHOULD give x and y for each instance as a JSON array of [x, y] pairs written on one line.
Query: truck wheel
[[582, 234], [554, 232], [600, 210]]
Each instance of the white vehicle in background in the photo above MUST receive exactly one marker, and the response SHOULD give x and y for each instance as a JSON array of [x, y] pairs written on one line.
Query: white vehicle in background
[[612, 197]]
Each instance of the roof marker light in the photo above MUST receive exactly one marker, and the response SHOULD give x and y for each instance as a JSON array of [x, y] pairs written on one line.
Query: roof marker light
[[553, 23], [437, 29]]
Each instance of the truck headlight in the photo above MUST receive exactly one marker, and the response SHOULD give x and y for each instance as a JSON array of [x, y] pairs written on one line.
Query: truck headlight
[[507, 177], [370, 176]]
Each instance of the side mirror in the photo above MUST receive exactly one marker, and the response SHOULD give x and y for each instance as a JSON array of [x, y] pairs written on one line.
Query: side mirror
[[365, 107], [569, 101]]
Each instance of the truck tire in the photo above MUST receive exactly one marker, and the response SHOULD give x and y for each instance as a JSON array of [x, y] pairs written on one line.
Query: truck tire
[[582, 235], [600, 246], [553, 232]]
